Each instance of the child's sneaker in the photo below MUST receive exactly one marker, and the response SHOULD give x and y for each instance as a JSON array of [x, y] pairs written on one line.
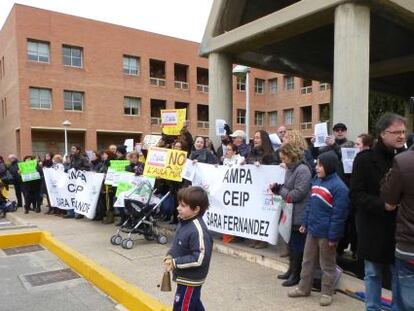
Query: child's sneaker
[[326, 300], [296, 292]]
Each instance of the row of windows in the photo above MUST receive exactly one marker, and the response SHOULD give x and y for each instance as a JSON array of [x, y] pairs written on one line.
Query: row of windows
[[289, 84], [41, 98], [73, 56], [288, 116]]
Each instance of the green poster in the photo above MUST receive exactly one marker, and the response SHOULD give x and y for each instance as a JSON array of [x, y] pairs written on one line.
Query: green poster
[[118, 165], [122, 187], [28, 170]]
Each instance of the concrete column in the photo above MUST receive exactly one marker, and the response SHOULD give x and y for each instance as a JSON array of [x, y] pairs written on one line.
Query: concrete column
[[351, 67], [91, 142], [25, 141], [220, 92]]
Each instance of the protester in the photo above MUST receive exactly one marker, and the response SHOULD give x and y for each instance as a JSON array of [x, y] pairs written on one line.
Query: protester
[[281, 132], [324, 222], [4, 197], [375, 225], [398, 190], [225, 140], [47, 163], [232, 156], [295, 190], [107, 196], [295, 138], [190, 253], [239, 139], [201, 153], [261, 154], [17, 180], [31, 191], [3, 172], [364, 142]]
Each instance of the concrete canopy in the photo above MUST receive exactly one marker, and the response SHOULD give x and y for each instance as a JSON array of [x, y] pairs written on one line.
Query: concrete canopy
[[297, 37]]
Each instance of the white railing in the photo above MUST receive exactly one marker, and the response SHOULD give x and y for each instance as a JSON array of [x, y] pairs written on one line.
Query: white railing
[[157, 81], [155, 121], [181, 85], [306, 125], [324, 86], [202, 124], [306, 90], [202, 88]]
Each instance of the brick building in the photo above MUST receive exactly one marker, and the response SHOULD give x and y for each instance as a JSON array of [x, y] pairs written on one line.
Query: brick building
[[112, 81]]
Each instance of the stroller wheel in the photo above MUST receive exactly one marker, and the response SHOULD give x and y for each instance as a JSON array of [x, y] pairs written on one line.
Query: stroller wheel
[[127, 244], [162, 239], [116, 239]]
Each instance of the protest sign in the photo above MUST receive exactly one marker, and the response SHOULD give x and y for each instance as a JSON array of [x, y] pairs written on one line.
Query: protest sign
[[129, 143], [348, 156], [321, 132], [77, 190], [172, 121], [165, 163], [28, 170], [137, 188], [220, 131], [118, 165], [150, 141], [241, 203], [189, 170]]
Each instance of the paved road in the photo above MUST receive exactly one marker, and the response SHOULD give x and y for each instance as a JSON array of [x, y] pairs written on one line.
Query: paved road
[[232, 284]]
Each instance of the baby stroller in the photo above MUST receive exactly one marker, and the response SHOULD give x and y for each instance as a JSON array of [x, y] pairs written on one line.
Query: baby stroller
[[141, 206]]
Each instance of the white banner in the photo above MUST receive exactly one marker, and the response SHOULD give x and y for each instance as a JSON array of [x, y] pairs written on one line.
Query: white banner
[[240, 200], [78, 190]]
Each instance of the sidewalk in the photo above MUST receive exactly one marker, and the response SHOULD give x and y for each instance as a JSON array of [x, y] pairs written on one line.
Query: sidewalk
[[232, 284]]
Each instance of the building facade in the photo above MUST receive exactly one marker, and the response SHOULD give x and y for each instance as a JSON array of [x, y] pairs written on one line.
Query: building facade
[[111, 82]]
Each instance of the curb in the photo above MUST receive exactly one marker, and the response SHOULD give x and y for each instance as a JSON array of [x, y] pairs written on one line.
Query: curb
[[122, 292], [18, 223]]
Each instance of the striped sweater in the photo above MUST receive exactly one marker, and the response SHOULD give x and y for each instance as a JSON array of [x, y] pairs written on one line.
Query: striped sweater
[[191, 252]]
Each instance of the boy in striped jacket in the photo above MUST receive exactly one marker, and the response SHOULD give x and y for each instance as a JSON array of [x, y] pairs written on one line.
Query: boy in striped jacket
[[190, 253], [324, 221]]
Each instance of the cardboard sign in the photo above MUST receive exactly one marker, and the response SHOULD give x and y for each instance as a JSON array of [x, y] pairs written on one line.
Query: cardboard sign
[[28, 170], [150, 141], [172, 121], [118, 165], [165, 163]]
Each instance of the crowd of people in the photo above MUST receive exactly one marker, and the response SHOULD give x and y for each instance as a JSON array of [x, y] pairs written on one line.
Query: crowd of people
[[365, 211]]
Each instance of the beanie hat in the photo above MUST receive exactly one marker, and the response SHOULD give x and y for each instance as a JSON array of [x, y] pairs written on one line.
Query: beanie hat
[[329, 161], [121, 149]]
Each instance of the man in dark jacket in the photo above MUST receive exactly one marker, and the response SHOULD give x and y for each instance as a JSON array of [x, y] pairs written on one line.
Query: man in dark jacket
[[375, 225], [17, 180], [399, 189]]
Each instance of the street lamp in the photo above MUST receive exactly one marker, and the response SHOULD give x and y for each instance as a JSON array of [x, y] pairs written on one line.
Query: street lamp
[[243, 72], [66, 124]]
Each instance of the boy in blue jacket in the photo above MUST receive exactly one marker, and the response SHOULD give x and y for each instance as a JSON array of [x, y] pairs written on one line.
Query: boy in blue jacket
[[190, 253], [324, 221]]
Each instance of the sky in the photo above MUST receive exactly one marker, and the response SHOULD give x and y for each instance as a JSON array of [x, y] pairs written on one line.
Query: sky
[[185, 19]]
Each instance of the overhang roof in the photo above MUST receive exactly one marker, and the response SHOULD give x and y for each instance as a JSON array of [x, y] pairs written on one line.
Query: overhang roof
[[297, 37]]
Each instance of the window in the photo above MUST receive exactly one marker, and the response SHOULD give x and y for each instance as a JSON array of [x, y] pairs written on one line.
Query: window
[[202, 116], [273, 86], [306, 86], [324, 112], [306, 117], [72, 56], [73, 100], [288, 116], [132, 106], [2, 72], [241, 84], [259, 86], [289, 83], [40, 98], [131, 65], [272, 117], [38, 51], [4, 107], [259, 118], [241, 116], [324, 86]]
